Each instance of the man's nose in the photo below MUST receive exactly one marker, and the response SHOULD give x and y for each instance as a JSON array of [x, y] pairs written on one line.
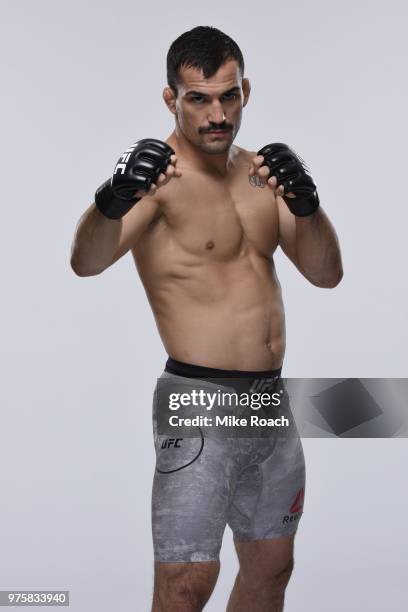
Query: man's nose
[[216, 113]]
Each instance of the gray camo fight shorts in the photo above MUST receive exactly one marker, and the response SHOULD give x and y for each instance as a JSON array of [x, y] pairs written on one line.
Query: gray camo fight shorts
[[202, 483]]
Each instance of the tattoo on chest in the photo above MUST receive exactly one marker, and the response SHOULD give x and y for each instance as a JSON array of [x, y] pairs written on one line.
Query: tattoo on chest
[[255, 181]]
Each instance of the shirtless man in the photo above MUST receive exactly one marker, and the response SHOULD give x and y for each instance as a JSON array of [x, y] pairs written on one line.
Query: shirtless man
[[203, 218]]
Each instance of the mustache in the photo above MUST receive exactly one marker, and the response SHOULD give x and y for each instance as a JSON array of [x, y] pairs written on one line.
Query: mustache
[[226, 127]]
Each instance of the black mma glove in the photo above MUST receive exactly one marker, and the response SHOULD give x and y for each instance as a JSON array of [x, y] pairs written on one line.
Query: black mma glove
[[137, 168], [291, 172]]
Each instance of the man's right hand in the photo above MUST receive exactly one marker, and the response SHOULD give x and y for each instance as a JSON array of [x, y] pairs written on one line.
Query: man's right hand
[[145, 166]]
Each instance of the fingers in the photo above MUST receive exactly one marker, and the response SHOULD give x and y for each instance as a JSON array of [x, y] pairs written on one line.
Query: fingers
[[163, 178], [152, 190], [257, 169], [263, 172], [273, 184], [172, 168], [279, 190], [171, 171]]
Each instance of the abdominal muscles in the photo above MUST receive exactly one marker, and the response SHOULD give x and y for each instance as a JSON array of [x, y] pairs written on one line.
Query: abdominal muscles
[[224, 314]]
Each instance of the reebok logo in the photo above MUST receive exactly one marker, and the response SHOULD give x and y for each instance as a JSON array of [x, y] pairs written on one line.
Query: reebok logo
[[297, 504], [295, 511]]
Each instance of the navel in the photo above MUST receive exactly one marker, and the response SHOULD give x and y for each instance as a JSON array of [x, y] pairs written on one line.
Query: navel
[[210, 245]]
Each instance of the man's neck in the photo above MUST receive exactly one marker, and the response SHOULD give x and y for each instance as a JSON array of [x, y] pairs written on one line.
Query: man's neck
[[217, 164]]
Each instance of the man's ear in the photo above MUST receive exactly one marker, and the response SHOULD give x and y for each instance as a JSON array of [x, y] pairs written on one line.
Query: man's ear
[[246, 90], [169, 98]]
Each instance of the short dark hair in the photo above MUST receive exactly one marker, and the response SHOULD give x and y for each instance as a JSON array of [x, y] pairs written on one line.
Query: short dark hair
[[203, 47]]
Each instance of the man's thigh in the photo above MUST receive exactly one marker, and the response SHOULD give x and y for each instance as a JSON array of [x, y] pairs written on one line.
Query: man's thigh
[[267, 501], [190, 501]]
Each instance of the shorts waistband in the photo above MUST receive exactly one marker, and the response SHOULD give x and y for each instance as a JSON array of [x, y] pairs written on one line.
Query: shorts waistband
[[190, 370]]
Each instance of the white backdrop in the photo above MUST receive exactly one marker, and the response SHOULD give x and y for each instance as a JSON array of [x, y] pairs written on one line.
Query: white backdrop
[[80, 355]]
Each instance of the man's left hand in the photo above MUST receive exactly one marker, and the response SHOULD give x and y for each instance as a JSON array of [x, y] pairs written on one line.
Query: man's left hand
[[287, 175]]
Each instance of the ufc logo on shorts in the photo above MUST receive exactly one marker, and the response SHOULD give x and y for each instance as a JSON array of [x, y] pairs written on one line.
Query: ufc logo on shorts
[[169, 442], [123, 160], [260, 385]]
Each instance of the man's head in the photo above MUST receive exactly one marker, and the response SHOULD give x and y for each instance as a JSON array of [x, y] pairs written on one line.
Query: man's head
[[206, 89]]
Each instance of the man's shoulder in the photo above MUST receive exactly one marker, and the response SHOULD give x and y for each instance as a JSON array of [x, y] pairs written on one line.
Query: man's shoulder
[[242, 155]]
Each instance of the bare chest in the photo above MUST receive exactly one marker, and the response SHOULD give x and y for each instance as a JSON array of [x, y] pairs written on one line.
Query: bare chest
[[219, 217]]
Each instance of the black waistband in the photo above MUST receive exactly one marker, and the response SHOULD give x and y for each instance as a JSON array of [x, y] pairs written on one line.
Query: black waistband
[[195, 371]]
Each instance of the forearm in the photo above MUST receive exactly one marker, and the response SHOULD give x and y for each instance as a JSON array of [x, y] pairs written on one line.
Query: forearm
[[317, 250], [95, 242]]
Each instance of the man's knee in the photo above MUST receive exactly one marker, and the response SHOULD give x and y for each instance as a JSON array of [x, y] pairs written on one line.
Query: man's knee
[[270, 579], [182, 592], [184, 586], [279, 579]]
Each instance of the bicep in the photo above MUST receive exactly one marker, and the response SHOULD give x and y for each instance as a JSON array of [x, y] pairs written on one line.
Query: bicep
[[135, 223]]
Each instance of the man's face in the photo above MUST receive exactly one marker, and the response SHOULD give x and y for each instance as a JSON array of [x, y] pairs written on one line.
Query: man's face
[[208, 111]]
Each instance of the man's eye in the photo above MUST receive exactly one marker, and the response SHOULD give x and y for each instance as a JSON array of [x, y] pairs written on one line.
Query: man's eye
[[197, 99], [230, 96]]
